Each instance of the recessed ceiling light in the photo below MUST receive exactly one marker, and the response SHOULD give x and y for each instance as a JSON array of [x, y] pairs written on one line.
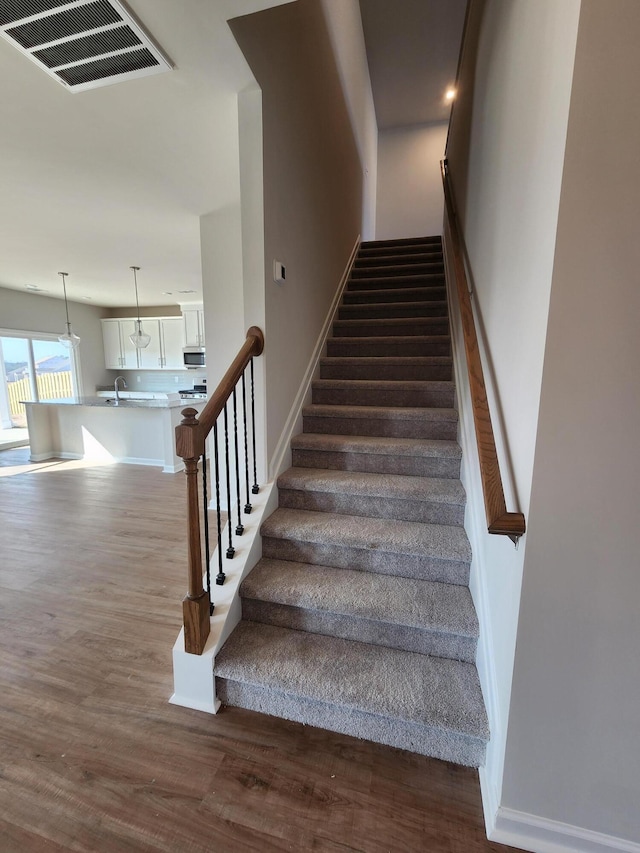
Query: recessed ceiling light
[[87, 297], [167, 292], [449, 95], [186, 291], [35, 289]]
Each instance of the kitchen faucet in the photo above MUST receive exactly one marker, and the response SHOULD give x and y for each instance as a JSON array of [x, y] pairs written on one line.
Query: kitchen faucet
[[115, 385]]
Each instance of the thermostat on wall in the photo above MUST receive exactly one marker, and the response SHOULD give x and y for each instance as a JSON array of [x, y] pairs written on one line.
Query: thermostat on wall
[[279, 272]]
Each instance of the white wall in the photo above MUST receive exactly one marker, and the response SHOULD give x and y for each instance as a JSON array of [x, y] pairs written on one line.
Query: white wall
[[409, 197], [347, 38], [312, 189], [573, 752], [29, 312], [506, 151]]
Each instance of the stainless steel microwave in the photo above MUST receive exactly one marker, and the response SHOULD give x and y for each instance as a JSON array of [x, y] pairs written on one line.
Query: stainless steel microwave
[[193, 357]]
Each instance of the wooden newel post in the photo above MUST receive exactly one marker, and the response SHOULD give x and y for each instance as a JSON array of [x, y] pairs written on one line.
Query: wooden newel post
[[196, 604]]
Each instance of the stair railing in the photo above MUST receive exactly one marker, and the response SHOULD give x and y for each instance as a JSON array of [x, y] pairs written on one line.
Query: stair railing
[[191, 435], [499, 521]]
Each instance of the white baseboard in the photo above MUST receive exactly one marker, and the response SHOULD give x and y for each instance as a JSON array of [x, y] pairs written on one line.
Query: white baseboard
[[541, 835], [295, 412]]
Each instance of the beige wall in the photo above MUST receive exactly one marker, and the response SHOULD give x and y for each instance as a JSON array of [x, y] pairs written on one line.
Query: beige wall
[[573, 751], [312, 188], [506, 150], [29, 312], [410, 200]]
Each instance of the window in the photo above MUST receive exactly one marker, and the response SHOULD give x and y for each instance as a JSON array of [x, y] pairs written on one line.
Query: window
[[35, 366]]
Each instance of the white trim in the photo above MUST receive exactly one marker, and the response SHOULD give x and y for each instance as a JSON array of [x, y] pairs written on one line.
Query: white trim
[[295, 412], [475, 527], [54, 454], [193, 678], [541, 835]]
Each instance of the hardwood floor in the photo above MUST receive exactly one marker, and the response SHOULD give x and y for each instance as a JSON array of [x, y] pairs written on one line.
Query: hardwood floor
[[92, 756]]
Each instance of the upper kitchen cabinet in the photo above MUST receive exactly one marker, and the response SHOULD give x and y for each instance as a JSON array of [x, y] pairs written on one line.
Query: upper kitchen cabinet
[[193, 316], [119, 352], [172, 338], [163, 353]]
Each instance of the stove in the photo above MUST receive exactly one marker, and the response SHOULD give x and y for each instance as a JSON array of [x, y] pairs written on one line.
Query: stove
[[191, 394]]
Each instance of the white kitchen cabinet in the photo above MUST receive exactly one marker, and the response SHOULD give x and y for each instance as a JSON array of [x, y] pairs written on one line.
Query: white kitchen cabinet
[[193, 326], [172, 336], [119, 352], [163, 353], [150, 358]]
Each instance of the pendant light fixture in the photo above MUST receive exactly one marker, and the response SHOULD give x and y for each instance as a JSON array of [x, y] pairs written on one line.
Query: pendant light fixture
[[139, 338], [69, 339]]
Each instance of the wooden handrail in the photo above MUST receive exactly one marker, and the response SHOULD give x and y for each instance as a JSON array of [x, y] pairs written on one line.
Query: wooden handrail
[[499, 521], [191, 434]]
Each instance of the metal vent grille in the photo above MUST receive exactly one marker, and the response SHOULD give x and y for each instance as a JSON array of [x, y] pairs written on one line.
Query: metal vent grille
[[82, 43]]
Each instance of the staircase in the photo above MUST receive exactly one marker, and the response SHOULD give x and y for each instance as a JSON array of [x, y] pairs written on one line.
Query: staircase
[[358, 618]]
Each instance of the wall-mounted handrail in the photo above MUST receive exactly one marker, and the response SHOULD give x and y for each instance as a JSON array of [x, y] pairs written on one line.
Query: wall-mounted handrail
[[191, 436], [499, 521]]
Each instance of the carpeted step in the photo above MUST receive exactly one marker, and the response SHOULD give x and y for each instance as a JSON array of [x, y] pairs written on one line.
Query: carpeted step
[[405, 548], [383, 421], [394, 345], [397, 270], [403, 613], [388, 393], [429, 705], [427, 293], [378, 282], [410, 456], [387, 310], [437, 367], [400, 244], [405, 498], [427, 255], [387, 327]]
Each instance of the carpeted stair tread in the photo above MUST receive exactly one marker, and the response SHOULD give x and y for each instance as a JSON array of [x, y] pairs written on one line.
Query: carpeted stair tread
[[386, 326], [397, 270], [390, 683], [391, 413], [357, 484], [407, 602], [433, 293], [438, 367], [400, 242], [368, 259], [382, 535], [385, 345], [389, 393], [377, 445], [395, 310], [425, 279]]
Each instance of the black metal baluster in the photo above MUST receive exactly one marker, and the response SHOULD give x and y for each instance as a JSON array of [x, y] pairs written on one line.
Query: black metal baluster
[[240, 526], [221, 575], [255, 488], [230, 550], [247, 506], [205, 503]]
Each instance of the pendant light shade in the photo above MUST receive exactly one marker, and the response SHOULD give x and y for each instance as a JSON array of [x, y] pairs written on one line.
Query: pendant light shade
[[69, 339], [139, 338]]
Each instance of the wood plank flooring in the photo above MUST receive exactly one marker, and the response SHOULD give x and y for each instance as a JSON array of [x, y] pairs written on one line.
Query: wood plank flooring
[[92, 756]]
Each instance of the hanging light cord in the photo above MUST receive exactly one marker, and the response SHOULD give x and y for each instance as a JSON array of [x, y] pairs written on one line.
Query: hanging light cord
[[135, 281], [66, 305]]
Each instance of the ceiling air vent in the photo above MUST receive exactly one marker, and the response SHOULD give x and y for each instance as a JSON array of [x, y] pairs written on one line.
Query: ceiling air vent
[[82, 44]]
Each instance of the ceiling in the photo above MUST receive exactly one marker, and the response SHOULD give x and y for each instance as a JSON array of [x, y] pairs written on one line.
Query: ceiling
[[100, 180], [412, 49], [97, 181]]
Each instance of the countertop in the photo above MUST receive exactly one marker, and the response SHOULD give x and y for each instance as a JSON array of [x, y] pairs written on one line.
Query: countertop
[[106, 403]]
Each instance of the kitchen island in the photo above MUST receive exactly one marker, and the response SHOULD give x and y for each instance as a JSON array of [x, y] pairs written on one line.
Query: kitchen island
[[139, 432]]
